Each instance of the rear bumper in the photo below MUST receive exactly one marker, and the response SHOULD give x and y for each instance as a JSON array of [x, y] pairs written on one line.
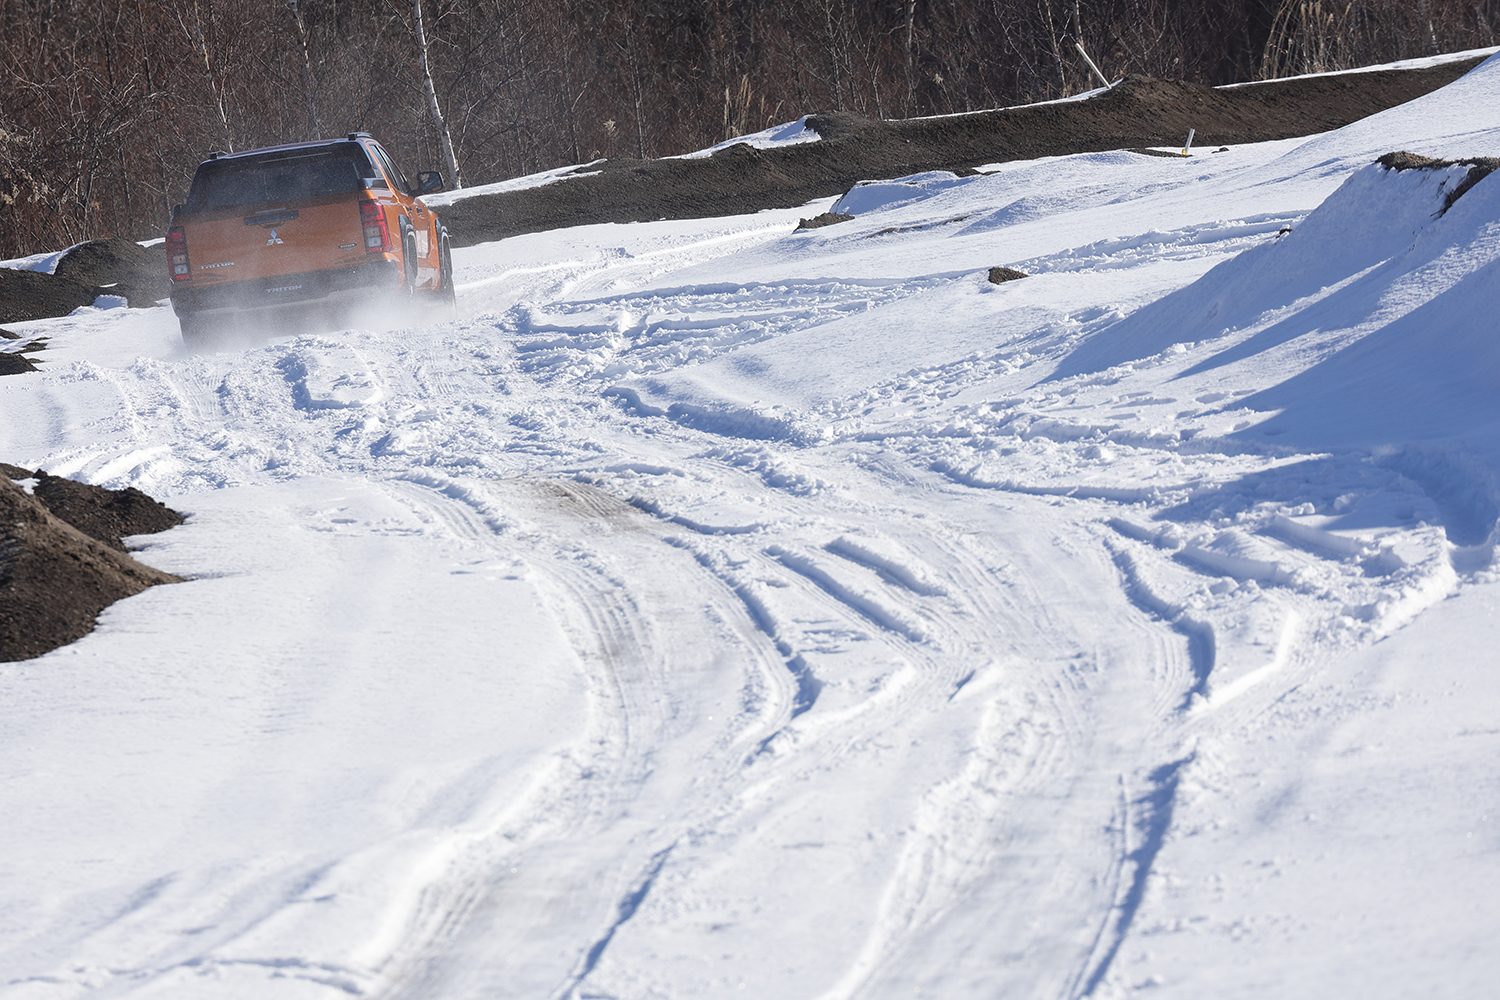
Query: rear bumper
[[289, 291]]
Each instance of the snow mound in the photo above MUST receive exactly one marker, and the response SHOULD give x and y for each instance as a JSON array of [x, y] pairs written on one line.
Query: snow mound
[[787, 134], [1428, 363], [1371, 219], [1379, 310], [43, 262], [881, 196], [568, 173]]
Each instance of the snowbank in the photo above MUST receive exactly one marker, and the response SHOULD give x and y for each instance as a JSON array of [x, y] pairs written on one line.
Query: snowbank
[[556, 175], [788, 134]]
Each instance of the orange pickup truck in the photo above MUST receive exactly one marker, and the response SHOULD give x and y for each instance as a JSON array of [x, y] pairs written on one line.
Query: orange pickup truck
[[313, 230]]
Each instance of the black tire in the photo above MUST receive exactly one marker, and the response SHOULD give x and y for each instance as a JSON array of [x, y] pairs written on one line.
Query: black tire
[[447, 295], [409, 259], [194, 332]]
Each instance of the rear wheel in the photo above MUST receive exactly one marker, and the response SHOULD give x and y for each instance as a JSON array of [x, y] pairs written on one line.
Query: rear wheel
[[446, 295], [194, 330], [408, 302], [409, 260]]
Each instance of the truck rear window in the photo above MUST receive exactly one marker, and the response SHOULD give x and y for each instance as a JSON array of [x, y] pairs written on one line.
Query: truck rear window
[[234, 183]]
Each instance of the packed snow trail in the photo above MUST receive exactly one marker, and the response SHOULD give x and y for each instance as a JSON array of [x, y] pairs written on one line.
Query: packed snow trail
[[722, 608]]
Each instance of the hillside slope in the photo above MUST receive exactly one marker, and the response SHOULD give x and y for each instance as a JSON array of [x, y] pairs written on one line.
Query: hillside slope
[[740, 178]]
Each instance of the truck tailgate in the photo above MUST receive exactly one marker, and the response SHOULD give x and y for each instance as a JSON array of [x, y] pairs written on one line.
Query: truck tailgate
[[297, 237]]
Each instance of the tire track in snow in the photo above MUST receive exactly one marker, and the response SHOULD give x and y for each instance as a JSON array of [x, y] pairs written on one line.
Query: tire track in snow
[[1049, 701], [1153, 817], [632, 647], [606, 266], [866, 603], [820, 738], [636, 333], [979, 653], [1196, 635], [626, 909]]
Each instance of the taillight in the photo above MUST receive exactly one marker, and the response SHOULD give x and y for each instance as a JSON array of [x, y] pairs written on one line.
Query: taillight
[[177, 256], [377, 230]]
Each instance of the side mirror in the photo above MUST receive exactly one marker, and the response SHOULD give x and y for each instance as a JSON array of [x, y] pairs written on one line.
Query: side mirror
[[429, 181]]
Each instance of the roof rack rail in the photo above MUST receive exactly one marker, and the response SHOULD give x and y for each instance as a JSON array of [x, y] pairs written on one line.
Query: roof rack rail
[[358, 135], [216, 154]]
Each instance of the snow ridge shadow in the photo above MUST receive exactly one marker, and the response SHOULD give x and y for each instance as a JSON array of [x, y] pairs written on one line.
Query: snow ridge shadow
[[1202, 651], [1335, 265], [808, 686], [1154, 817], [1465, 495], [627, 907]]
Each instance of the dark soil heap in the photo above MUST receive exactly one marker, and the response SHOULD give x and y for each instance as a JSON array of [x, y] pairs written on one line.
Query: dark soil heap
[[62, 560], [16, 362], [1138, 112], [107, 515], [114, 266], [1000, 275], [118, 266], [28, 295], [826, 219]]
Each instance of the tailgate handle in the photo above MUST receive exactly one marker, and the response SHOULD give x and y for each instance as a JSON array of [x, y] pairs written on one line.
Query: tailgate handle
[[271, 218]]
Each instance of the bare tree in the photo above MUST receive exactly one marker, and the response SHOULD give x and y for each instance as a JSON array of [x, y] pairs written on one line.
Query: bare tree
[[455, 181], [214, 85], [107, 106], [309, 85]]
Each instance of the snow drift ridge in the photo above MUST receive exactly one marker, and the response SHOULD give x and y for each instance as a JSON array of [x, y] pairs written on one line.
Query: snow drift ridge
[[1372, 218]]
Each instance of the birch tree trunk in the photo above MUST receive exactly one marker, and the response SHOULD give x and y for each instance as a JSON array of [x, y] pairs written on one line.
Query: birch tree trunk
[[208, 72], [455, 180], [911, 87], [309, 82]]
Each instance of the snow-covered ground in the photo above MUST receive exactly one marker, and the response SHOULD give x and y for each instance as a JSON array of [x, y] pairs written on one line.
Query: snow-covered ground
[[717, 609], [553, 176], [789, 134], [1421, 62]]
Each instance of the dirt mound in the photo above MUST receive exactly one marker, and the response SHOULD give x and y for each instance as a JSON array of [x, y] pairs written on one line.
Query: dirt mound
[[28, 295], [1000, 275], [1139, 112], [16, 362], [118, 266], [56, 578], [106, 515], [825, 219], [114, 266]]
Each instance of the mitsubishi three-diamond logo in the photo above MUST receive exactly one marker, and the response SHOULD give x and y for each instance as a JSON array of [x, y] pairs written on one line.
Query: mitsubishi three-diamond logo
[[274, 239]]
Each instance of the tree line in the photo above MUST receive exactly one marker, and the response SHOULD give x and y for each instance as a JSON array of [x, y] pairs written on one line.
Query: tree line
[[107, 106]]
